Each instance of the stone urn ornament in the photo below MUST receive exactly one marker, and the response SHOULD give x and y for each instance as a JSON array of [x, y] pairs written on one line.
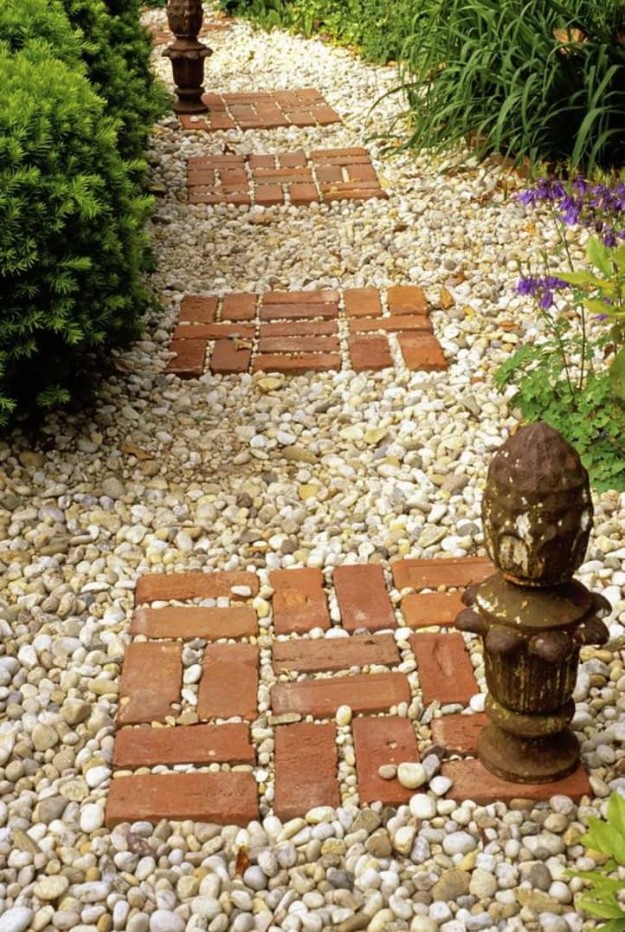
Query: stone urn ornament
[[187, 54], [533, 616]]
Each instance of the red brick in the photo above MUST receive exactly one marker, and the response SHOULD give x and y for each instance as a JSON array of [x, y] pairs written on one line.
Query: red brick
[[262, 161], [295, 159], [165, 586], [188, 363], [283, 175], [305, 95], [342, 156], [422, 352], [151, 682], [310, 362], [396, 324], [236, 198], [293, 311], [431, 608], [298, 344], [471, 780], [364, 692], [303, 193], [362, 302], [325, 654], [458, 734], [216, 102], [183, 744], [212, 161], [241, 111], [444, 667], [407, 299], [214, 331], [239, 306], [294, 328], [325, 115], [362, 173], [237, 177], [301, 118], [229, 683], [329, 173], [222, 798], [299, 601], [201, 176], [198, 309], [362, 597], [306, 769], [268, 194], [227, 357], [444, 572], [324, 296], [235, 621], [369, 353], [378, 741]]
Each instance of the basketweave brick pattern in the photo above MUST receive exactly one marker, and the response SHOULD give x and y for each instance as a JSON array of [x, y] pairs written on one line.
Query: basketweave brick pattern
[[294, 331], [261, 110], [296, 178], [315, 670]]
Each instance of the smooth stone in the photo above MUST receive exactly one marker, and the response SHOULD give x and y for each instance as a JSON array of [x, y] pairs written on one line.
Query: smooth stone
[[17, 919], [51, 888], [453, 883], [422, 806], [411, 775], [162, 920]]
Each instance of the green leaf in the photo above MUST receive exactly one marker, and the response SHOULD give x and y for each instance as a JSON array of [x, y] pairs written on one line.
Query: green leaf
[[581, 278], [617, 382], [599, 255]]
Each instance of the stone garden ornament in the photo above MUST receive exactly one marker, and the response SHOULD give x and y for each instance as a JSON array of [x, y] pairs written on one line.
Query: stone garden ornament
[[533, 616], [187, 54]]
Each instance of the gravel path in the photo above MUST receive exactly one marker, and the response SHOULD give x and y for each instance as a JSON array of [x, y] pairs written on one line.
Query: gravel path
[[177, 475]]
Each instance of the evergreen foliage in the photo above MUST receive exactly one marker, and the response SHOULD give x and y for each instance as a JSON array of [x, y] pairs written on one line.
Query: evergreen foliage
[[72, 206]]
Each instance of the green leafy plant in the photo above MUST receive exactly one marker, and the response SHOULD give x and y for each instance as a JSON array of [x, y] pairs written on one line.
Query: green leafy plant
[[533, 79], [72, 246], [601, 900], [378, 28], [574, 376]]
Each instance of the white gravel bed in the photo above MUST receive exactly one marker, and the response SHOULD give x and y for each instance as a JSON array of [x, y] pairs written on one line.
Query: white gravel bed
[[320, 470]]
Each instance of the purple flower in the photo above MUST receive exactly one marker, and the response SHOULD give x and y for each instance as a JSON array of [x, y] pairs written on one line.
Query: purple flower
[[541, 288]]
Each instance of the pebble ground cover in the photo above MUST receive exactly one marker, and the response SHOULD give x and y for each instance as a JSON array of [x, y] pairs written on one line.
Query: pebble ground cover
[[241, 473]]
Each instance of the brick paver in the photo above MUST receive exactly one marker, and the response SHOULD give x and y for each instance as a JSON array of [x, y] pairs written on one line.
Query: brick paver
[[150, 684], [262, 110], [306, 769], [471, 780], [283, 178], [367, 692], [424, 609], [295, 331], [235, 621], [447, 572], [362, 597], [223, 798], [229, 683], [299, 601], [377, 741], [325, 655], [316, 675], [444, 667], [184, 744], [157, 587]]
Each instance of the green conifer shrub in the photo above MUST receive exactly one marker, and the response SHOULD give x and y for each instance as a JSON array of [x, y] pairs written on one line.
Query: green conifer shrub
[[72, 245]]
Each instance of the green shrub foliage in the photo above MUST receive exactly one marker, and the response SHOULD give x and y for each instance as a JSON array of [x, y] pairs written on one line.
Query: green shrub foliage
[[377, 27], [71, 219], [117, 54]]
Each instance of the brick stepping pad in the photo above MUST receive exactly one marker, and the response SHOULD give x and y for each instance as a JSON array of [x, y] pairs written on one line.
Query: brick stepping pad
[[297, 331], [358, 666], [296, 178], [262, 110]]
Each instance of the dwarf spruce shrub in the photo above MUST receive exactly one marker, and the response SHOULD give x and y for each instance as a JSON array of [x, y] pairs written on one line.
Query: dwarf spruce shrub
[[71, 219]]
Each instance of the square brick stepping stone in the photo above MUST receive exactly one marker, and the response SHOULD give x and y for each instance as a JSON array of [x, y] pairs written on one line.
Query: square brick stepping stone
[[296, 178], [299, 331], [262, 110], [305, 762]]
